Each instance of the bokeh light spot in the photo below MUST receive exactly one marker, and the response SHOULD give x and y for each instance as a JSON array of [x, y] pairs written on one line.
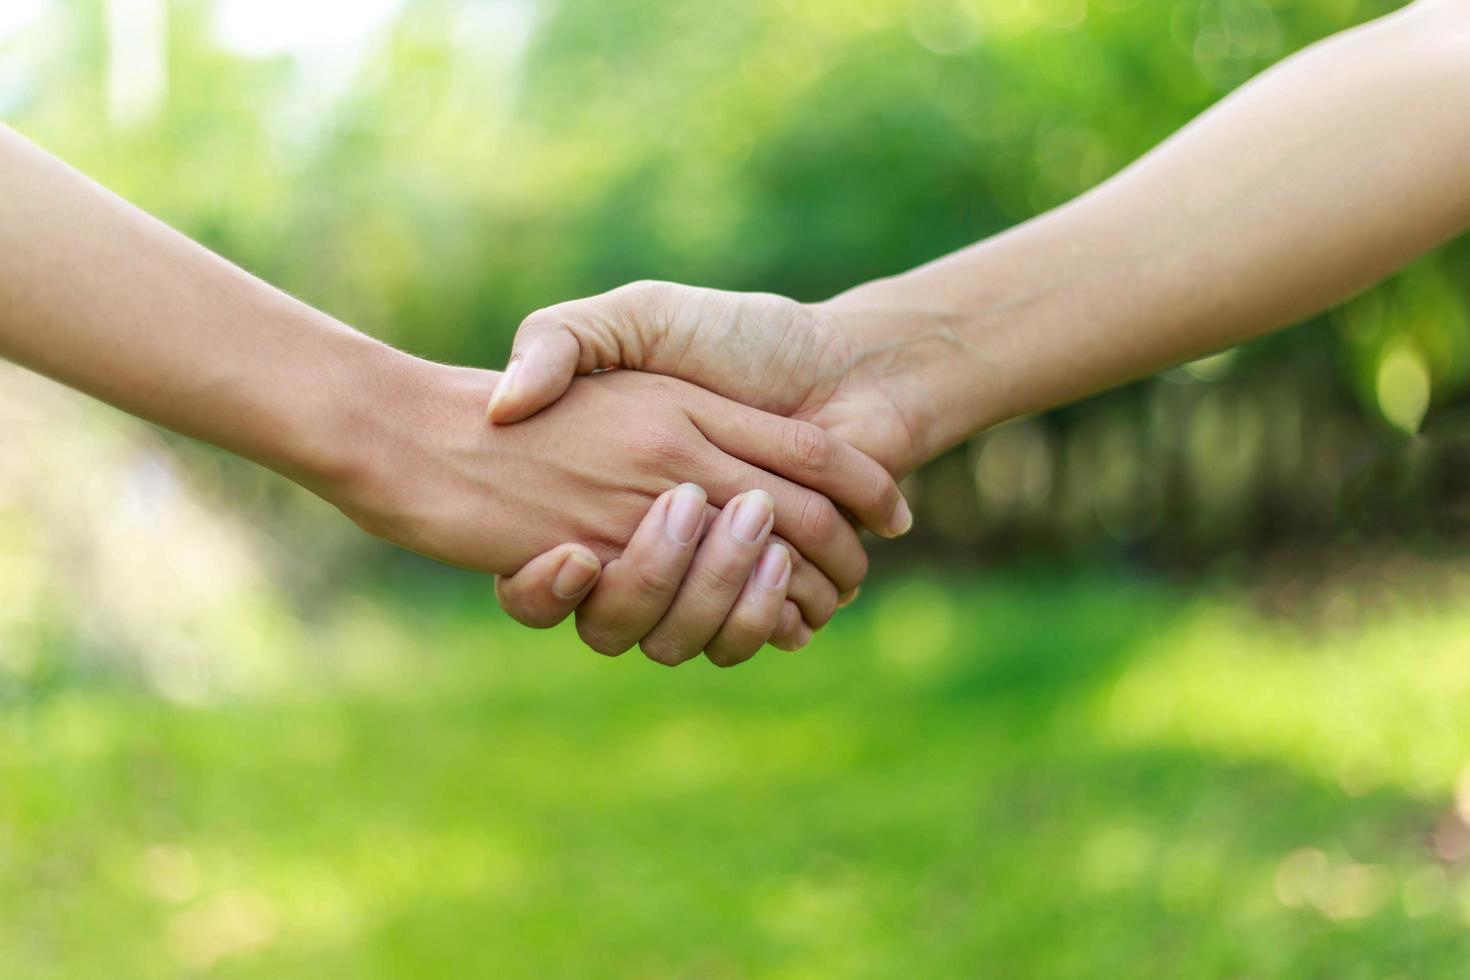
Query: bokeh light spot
[[1403, 388]]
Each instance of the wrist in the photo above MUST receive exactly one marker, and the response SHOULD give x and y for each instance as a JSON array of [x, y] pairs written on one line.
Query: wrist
[[410, 456], [925, 356], [375, 415]]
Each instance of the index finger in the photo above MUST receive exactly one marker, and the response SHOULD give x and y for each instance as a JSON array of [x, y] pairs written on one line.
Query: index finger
[[807, 454]]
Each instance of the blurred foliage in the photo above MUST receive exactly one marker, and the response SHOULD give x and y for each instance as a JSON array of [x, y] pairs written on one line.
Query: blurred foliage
[[436, 175]]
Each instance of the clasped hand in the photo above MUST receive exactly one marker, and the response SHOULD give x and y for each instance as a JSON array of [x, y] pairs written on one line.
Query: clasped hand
[[683, 586], [723, 527]]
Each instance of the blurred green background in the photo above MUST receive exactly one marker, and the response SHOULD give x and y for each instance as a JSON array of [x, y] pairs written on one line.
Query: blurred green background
[[1170, 683]]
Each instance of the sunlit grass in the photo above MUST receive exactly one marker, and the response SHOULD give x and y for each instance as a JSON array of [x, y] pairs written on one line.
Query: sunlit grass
[[1034, 776], [1377, 704]]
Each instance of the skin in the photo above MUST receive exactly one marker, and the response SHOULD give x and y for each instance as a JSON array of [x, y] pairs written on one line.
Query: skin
[[636, 592], [98, 295], [1315, 180], [1312, 182]]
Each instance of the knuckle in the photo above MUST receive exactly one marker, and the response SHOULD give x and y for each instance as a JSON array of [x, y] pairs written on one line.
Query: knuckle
[[809, 448], [879, 492], [820, 610], [814, 598], [528, 611], [726, 575], [847, 578], [546, 318], [662, 651], [749, 628], [818, 520], [788, 619], [652, 580], [787, 637], [513, 603], [731, 654], [664, 447], [601, 639], [643, 297]]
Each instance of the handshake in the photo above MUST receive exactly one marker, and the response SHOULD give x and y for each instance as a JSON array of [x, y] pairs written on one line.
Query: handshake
[[706, 498]]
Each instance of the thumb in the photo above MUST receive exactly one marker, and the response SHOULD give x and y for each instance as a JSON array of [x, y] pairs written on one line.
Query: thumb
[[549, 587], [540, 371], [556, 344]]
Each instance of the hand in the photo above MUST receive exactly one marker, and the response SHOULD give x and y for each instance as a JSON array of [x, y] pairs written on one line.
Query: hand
[[838, 365], [692, 578], [429, 473]]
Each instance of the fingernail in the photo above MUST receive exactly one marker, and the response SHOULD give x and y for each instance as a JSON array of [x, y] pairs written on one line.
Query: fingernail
[[753, 516], [507, 382], [575, 574], [901, 520], [850, 598], [686, 511], [775, 567]]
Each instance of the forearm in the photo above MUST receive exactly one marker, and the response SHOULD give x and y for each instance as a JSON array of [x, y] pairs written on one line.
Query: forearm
[[102, 297], [1317, 179]]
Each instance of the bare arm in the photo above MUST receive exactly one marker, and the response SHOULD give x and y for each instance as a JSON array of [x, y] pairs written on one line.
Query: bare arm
[[99, 295], [1310, 183], [1316, 179]]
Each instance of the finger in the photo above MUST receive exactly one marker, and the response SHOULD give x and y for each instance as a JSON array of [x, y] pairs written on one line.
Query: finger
[[810, 456], [721, 567], [637, 588], [813, 593], [555, 344], [792, 633], [549, 586], [542, 368], [756, 613], [806, 519]]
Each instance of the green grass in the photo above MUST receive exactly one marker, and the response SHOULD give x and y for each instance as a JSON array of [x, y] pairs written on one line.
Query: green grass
[[1028, 777]]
